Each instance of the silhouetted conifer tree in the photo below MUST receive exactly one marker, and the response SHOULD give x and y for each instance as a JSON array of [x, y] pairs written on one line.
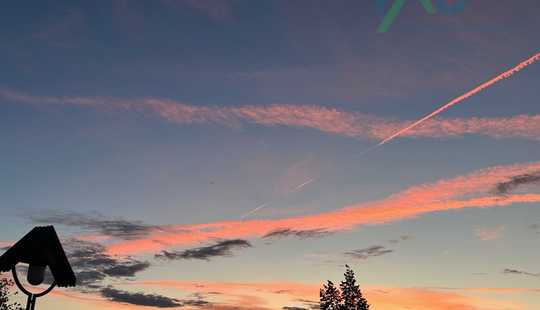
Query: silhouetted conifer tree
[[330, 298], [349, 298], [351, 295]]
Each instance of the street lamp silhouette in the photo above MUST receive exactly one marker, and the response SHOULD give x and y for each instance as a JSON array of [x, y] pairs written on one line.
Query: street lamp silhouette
[[40, 248]]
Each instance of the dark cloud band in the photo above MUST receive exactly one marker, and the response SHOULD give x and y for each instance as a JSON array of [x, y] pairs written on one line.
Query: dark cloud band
[[219, 249], [119, 228], [140, 299], [302, 234], [373, 251], [515, 182], [509, 271]]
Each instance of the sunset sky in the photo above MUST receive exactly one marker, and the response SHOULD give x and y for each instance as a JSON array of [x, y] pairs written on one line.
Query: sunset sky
[[220, 154]]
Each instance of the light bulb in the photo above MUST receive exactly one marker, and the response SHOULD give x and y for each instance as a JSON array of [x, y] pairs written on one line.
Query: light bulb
[[36, 274]]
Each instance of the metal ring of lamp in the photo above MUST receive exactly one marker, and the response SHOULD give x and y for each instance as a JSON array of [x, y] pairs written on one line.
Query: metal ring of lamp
[[31, 302]]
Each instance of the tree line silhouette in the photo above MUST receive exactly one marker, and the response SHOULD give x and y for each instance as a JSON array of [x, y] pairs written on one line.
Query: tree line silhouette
[[5, 296], [347, 296]]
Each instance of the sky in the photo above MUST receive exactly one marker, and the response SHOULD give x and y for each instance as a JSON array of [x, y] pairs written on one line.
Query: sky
[[222, 154]]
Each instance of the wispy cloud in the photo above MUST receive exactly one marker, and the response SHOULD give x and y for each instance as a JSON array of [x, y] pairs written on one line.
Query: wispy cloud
[[489, 233], [510, 271], [119, 228], [220, 249], [400, 239], [324, 119], [372, 251], [469, 191], [302, 234], [359, 254]]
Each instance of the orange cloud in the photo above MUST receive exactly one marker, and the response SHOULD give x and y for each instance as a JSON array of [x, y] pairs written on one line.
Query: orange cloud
[[325, 119], [470, 191], [279, 294], [274, 295], [424, 299]]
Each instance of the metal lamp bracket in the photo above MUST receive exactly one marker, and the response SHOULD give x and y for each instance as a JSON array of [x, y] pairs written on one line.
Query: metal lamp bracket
[[31, 301]]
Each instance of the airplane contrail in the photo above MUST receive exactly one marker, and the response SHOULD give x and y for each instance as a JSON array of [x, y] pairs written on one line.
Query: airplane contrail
[[255, 210], [507, 74], [303, 184], [259, 207], [459, 99]]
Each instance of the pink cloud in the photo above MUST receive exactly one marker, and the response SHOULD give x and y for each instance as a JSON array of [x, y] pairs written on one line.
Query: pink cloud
[[324, 119], [474, 190]]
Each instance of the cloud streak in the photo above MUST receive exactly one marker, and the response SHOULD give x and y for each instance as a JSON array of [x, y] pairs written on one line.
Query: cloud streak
[[515, 182], [373, 251], [118, 228], [469, 191], [509, 271], [220, 249], [301, 234], [324, 119]]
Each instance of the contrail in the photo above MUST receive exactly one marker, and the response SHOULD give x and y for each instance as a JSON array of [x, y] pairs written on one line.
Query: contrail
[[255, 210], [459, 99], [299, 187], [507, 74]]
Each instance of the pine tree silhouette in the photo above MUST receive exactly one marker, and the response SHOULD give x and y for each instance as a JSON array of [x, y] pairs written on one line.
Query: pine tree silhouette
[[330, 297], [349, 298], [351, 294]]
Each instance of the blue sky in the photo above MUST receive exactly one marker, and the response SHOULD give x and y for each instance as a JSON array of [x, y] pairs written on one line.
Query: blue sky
[[175, 113]]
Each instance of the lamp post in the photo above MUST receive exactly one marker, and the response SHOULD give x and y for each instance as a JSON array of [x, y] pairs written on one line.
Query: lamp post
[[40, 248]]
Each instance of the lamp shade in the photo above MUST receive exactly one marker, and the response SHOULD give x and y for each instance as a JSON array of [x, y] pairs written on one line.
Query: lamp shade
[[40, 248]]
